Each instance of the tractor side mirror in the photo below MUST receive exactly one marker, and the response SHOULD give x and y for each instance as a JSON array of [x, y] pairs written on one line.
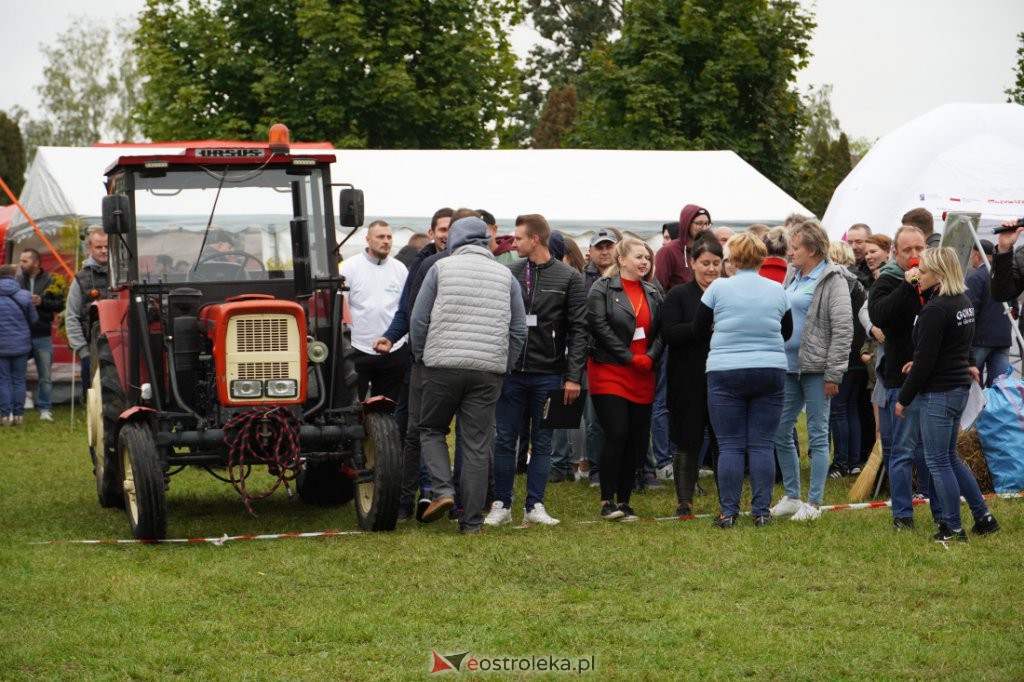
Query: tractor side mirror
[[350, 205], [117, 214]]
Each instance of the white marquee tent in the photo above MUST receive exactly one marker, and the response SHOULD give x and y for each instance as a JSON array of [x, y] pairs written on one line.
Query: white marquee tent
[[958, 157], [578, 190]]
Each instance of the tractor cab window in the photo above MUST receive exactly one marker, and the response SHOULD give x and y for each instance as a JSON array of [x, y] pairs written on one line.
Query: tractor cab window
[[214, 224]]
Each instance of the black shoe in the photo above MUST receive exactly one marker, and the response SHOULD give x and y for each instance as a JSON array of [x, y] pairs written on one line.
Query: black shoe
[[947, 535], [684, 509], [609, 512], [725, 522], [627, 513], [762, 521], [837, 471], [559, 477], [421, 507], [986, 525], [455, 513], [470, 530], [903, 523], [404, 513]]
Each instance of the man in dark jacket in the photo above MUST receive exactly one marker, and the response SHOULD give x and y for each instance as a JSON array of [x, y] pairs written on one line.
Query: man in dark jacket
[[893, 306], [993, 331], [1007, 266], [856, 237], [672, 262], [91, 283], [17, 315], [553, 358], [48, 303]]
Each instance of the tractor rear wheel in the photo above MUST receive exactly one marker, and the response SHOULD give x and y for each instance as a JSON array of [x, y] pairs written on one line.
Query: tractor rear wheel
[[377, 499], [143, 482], [104, 404], [323, 484]]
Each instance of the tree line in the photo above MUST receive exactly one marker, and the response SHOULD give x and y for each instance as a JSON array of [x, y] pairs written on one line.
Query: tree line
[[441, 74]]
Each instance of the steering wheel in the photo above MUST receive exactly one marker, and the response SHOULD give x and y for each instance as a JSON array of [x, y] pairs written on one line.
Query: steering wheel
[[226, 268]]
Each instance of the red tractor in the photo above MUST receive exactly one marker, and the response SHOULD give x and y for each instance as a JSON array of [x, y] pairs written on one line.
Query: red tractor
[[221, 344]]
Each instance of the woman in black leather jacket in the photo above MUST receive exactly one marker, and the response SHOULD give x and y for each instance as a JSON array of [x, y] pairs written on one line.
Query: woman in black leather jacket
[[623, 314]]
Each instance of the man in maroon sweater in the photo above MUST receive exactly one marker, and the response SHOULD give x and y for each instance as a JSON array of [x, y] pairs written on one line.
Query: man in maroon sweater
[[672, 262]]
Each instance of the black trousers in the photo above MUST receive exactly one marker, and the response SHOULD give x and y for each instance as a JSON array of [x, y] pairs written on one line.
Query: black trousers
[[385, 373], [627, 429]]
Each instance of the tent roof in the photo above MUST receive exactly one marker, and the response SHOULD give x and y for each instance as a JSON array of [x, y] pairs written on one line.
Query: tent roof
[[586, 188], [967, 157]]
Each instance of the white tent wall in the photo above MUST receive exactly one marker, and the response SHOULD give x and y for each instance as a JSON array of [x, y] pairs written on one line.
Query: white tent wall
[[577, 190], [958, 157]]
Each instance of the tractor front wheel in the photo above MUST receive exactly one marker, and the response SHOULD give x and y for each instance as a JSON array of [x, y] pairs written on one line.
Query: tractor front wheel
[[104, 404], [143, 482], [377, 499]]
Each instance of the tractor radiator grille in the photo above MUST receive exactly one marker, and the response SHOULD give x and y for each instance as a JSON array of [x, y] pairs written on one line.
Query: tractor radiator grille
[[263, 370], [262, 335]]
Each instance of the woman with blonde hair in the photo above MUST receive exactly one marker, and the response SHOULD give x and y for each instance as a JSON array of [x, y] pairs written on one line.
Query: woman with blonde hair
[[624, 314], [934, 393], [746, 373]]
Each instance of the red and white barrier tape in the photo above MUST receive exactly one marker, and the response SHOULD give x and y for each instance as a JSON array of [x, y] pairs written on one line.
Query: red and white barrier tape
[[337, 533]]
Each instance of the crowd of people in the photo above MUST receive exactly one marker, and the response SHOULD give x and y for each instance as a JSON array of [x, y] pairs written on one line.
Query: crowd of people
[[702, 354]]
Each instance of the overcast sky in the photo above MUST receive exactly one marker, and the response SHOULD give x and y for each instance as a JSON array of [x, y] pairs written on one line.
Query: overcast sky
[[888, 61]]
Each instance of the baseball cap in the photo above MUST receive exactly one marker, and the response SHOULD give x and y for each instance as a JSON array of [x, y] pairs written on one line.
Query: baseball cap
[[604, 235]]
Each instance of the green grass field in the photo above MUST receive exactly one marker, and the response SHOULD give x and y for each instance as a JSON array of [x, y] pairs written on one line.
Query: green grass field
[[842, 598]]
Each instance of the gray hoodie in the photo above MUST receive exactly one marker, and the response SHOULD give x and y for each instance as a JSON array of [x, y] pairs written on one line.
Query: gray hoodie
[[469, 312]]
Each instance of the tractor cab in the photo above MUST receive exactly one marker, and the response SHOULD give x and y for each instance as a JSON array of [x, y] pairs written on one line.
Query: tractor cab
[[222, 343]]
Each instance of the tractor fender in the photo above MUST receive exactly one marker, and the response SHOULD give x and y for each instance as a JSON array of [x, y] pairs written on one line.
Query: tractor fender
[[139, 411], [378, 403]]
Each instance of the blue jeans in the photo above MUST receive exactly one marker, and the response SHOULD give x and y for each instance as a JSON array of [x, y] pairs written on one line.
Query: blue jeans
[[745, 406], [991, 362], [521, 394], [42, 354], [844, 419], [940, 419], [660, 443], [906, 452], [801, 390], [12, 384]]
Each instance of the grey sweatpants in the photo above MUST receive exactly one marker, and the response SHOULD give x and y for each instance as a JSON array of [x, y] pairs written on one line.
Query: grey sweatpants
[[472, 395]]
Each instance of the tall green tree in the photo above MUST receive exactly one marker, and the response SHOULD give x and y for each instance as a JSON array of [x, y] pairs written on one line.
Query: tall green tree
[[12, 157], [89, 87], [375, 73], [701, 74], [1016, 93]]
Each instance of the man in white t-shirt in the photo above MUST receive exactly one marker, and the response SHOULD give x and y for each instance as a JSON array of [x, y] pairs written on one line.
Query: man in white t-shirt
[[375, 282]]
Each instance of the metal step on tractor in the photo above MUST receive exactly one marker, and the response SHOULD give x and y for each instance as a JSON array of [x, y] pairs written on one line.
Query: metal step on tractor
[[221, 343]]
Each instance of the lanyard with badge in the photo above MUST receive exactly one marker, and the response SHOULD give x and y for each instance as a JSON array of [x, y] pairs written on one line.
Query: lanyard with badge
[[638, 333]]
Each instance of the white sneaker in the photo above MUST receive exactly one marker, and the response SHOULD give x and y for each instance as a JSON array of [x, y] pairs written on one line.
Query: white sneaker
[[29, 403], [665, 473], [806, 513], [498, 515], [45, 416], [704, 473], [786, 507], [540, 516]]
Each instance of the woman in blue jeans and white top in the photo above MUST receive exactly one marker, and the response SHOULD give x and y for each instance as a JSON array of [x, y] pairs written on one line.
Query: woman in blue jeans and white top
[[934, 393], [816, 358], [746, 371]]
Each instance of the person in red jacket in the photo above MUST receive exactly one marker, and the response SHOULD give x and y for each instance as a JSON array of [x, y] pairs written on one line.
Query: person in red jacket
[[775, 264], [672, 262]]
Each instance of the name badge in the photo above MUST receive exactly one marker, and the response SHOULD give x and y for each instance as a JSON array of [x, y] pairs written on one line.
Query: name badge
[[639, 334], [531, 320]]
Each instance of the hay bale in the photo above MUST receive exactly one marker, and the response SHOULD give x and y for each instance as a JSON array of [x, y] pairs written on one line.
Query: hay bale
[[968, 445]]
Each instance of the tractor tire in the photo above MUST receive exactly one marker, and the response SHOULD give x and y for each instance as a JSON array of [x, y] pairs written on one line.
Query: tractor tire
[[143, 482], [104, 404], [324, 485], [377, 500]]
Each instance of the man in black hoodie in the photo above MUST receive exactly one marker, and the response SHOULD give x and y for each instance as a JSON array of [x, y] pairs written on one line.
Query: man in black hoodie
[[48, 303], [893, 305]]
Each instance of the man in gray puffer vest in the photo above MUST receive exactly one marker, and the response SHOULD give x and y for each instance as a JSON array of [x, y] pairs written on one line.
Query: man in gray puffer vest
[[468, 325]]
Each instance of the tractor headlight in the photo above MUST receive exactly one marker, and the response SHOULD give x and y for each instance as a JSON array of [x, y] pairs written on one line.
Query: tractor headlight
[[282, 388], [246, 388]]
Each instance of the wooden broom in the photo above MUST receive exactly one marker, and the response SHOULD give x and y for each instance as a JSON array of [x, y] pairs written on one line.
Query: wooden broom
[[865, 483]]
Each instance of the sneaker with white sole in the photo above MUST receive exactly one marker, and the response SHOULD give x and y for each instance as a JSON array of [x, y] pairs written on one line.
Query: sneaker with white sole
[[540, 516], [45, 416], [666, 472], [786, 507], [806, 513], [498, 516]]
